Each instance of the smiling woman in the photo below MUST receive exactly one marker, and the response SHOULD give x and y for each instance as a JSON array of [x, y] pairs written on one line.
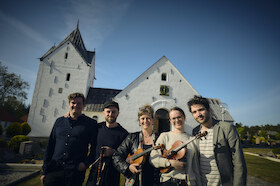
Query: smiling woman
[[139, 144]]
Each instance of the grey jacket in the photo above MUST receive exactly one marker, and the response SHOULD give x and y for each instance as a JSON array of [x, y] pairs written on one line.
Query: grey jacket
[[228, 153]]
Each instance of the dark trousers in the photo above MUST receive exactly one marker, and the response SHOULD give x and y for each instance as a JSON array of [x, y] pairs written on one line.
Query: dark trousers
[[64, 178], [174, 182]]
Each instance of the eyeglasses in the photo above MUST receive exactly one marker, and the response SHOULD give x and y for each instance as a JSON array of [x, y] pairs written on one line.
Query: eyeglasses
[[178, 118]]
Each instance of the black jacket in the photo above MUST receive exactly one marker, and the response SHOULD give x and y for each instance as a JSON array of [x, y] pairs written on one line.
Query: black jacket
[[129, 145]]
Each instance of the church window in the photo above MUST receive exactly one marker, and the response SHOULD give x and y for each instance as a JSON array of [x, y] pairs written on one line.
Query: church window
[[60, 90], [68, 77], [163, 76], [42, 112], [164, 90], [51, 67], [55, 79], [46, 103], [44, 119], [66, 55], [50, 92]]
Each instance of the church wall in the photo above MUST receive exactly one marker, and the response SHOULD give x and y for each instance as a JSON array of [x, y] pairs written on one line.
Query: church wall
[[146, 90], [49, 102]]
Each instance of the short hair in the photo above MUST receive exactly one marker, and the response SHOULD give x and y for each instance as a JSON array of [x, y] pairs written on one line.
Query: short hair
[[146, 109], [76, 95], [111, 104], [177, 109], [199, 100]]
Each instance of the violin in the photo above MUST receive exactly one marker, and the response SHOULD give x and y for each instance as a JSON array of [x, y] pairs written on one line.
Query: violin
[[139, 155], [177, 150]]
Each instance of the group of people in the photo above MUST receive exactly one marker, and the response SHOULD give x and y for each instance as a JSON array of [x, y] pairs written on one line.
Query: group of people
[[212, 155]]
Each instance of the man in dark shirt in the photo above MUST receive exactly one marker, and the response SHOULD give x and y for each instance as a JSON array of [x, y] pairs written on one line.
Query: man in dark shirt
[[66, 157], [109, 137]]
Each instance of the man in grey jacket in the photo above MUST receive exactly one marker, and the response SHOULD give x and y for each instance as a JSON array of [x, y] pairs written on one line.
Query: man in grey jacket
[[221, 157]]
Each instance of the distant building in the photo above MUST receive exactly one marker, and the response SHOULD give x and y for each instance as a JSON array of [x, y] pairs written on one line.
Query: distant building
[[69, 68]]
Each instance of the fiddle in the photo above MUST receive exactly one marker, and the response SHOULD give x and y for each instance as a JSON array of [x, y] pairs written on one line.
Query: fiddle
[[178, 150], [138, 157]]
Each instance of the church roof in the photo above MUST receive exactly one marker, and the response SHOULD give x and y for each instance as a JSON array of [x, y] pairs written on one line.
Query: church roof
[[217, 108], [76, 39], [97, 97]]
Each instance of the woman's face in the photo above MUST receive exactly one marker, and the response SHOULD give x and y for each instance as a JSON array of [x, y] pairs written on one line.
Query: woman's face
[[177, 119], [146, 121]]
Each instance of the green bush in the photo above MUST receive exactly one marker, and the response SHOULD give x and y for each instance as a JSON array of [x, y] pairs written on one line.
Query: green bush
[[1, 129], [3, 143], [14, 143], [13, 130], [276, 151], [25, 128]]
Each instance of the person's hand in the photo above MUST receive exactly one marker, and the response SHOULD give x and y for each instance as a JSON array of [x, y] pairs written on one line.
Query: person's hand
[[179, 165], [108, 151], [134, 168], [43, 179], [82, 166]]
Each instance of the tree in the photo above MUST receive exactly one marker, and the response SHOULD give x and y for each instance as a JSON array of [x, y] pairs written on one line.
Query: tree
[[241, 132], [11, 86]]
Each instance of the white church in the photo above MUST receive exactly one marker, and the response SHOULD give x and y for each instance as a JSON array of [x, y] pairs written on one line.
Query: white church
[[69, 67]]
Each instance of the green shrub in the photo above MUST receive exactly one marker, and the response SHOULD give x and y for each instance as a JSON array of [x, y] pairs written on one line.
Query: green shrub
[[13, 130], [276, 151], [25, 128], [14, 143], [3, 143]]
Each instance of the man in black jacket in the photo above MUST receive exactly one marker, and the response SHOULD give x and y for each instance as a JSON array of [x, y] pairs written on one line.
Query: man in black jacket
[[109, 137], [66, 157]]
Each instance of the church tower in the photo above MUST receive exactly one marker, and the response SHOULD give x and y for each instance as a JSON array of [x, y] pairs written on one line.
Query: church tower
[[63, 69]]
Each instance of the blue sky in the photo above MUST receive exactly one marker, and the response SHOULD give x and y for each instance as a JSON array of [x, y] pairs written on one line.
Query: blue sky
[[226, 49]]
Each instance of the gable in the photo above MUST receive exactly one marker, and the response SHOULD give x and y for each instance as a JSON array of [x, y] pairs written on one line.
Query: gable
[[76, 40]]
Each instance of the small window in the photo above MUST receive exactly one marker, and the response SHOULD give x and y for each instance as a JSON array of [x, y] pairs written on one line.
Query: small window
[[163, 76], [68, 77], [50, 92], [60, 90], [55, 79], [66, 55], [44, 119], [42, 112], [164, 90], [46, 103]]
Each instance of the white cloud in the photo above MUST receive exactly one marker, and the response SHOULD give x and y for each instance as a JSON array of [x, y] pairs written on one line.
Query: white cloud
[[24, 29]]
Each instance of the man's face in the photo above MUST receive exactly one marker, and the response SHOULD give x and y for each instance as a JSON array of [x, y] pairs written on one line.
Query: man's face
[[110, 114], [200, 113], [76, 106]]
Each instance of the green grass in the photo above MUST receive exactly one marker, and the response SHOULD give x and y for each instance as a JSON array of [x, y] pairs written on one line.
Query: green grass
[[35, 181], [257, 150], [258, 167], [263, 169]]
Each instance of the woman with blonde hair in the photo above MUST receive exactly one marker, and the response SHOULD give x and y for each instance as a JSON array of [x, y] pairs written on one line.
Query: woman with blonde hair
[[145, 174]]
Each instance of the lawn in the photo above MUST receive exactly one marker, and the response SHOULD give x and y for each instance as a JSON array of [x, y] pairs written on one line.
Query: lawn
[[263, 169], [258, 167]]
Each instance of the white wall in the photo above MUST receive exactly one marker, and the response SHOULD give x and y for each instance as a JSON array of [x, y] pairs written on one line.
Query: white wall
[[147, 91], [47, 104]]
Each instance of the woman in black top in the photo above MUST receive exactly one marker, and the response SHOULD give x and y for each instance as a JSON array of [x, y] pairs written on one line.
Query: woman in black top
[[146, 173]]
